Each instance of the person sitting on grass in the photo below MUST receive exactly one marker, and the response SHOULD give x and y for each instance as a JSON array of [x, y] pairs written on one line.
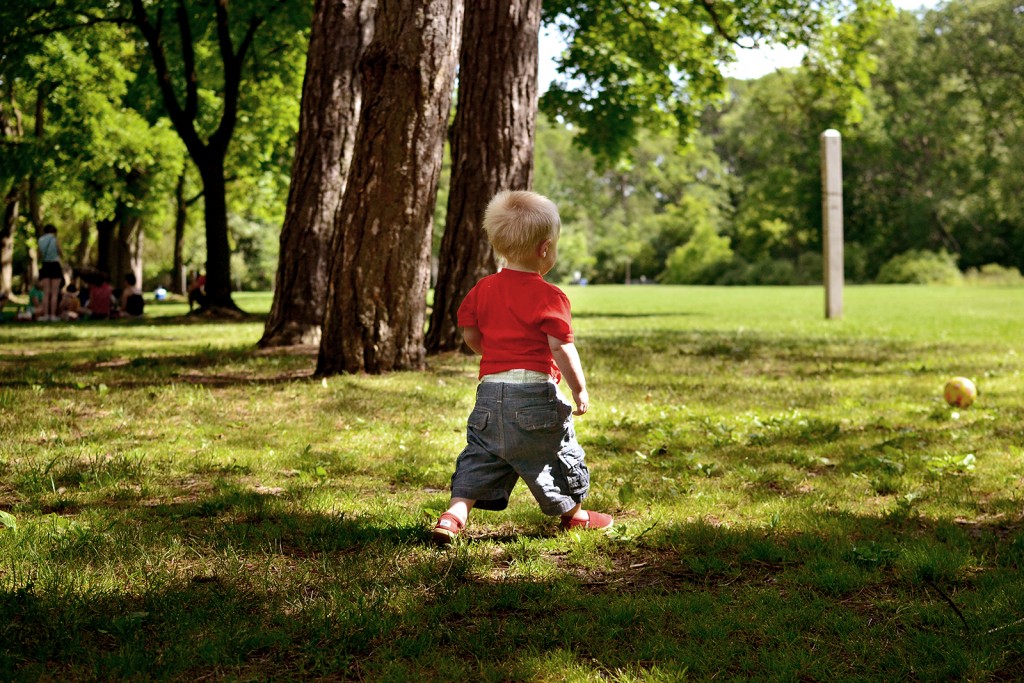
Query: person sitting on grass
[[101, 299], [36, 299], [521, 425], [197, 292], [70, 305], [131, 302]]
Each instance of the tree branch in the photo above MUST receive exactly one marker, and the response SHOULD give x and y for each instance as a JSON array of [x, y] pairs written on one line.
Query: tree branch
[[188, 57], [227, 53], [709, 7], [182, 123], [233, 66], [642, 20]]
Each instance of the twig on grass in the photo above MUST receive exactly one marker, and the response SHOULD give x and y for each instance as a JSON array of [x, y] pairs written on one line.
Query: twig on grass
[[950, 602], [641, 534], [1005, 626]]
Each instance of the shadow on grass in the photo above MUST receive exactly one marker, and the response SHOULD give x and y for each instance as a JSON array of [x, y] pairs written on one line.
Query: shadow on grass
[[289, 596], [84, 369], [804, 358]]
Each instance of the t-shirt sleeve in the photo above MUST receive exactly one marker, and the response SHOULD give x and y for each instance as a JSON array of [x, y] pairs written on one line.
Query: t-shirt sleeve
[[556, 318], [467, 310]]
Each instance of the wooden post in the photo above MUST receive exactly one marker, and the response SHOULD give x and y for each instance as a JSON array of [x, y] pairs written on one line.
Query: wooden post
[[832, 220]]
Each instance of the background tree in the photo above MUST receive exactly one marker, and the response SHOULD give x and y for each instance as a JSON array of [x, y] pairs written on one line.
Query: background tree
[[331, 101], [981, 47], [381, 249], [491, 145], [632, 64], [212, 71], [205, 131], [87, 154]]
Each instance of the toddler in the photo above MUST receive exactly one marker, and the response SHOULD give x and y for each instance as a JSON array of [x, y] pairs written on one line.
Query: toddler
[[521, 425]]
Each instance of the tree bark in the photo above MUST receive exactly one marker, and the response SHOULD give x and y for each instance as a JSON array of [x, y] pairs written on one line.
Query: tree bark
[[11, 208], [492, 147], [127, 247], [380, 265], [218, 250], [180, 217], [82, 250], [331, 101], [105, 229], [10, 127]]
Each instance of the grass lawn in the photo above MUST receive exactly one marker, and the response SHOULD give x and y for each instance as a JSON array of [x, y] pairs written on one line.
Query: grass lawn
[[794, 501]]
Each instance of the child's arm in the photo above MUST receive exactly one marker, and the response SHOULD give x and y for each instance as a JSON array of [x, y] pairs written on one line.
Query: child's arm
[[568, 361], [473, 338]]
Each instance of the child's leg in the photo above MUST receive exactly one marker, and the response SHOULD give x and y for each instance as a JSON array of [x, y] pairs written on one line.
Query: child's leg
[[453, 521], [577, 512], [460, 507]]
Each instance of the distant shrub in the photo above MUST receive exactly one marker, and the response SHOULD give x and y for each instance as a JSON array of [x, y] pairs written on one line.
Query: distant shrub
[[699, 260], [994, 274], [857, 260], [774, 272], [806, 271], [919, 267], [809, 268]]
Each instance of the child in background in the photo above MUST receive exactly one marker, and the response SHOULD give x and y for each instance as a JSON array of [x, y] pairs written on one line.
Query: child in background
[[101, 296], [197, 292], [35, 309], [521, 425], [131, 301], [70, 305]]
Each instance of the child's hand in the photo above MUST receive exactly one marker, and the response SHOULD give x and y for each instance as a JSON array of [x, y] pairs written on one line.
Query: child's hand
[[582, 402]]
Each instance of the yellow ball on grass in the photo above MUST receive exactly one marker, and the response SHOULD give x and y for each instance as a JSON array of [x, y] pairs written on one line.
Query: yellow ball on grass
[[960, 392]]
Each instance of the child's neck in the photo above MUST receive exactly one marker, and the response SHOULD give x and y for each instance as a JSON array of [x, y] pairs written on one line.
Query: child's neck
[[523, 267]]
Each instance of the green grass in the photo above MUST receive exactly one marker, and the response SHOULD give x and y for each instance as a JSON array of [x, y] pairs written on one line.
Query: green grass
[[794, 501]]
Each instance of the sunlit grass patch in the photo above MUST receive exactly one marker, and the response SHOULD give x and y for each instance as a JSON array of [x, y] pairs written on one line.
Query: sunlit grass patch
[[792, 498]]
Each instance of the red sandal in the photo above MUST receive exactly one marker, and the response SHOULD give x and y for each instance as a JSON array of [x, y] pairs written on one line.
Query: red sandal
[[446, 529], [595, 520]]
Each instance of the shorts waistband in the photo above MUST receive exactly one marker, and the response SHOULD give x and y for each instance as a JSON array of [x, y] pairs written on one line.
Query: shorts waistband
[[518, 376]]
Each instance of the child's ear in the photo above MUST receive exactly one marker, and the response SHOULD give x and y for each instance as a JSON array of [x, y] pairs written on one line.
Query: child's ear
[[542, 248]]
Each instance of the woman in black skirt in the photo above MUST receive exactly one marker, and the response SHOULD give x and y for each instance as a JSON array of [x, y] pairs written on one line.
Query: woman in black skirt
[[50, 272]]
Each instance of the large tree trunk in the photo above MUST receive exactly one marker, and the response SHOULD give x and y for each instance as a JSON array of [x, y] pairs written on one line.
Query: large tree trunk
[[180, 217], [218, 251], [380, 265], [492, 147], [331, 100], [10, 127], [127, 247], [11, 202], [82, 250], [105, 245]]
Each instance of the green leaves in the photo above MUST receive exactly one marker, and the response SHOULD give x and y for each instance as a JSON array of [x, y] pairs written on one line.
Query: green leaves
[[632, 64], [8, 521]]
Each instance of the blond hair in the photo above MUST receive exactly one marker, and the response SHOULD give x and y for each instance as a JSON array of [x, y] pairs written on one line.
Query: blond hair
[[517, 221]]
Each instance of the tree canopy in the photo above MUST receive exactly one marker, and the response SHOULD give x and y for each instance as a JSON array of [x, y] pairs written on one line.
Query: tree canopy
[[664, 169]]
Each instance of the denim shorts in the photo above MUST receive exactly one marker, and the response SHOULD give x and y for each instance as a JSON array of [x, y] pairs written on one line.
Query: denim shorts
[[521, 430]]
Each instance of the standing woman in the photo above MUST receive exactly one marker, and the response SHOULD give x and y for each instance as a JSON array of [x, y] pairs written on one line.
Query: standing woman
[[50, 272]]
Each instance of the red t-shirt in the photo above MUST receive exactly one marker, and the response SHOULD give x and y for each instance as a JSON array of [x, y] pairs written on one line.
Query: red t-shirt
[[515, 312], [100, 297]]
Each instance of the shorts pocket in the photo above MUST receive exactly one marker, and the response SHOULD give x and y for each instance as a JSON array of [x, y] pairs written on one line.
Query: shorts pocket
[[577, 476], [478, 419], [543, 418]]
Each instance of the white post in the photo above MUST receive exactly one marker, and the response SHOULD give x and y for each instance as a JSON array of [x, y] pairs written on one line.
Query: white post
[[832, 220]]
